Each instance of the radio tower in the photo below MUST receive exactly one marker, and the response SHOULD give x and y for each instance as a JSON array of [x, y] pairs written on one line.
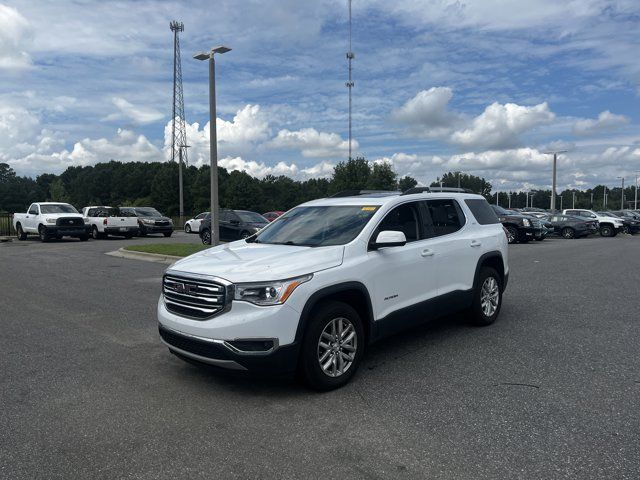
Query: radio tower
[[178, 130], [349, 84]]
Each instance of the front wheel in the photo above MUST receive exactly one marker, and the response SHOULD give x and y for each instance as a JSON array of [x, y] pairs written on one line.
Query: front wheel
[[42, 233], [205, 236], [487, 297], [606, 231], [20, 233], [84, 238], [332, 347], [167, 234], [512, 234], [626, 230]]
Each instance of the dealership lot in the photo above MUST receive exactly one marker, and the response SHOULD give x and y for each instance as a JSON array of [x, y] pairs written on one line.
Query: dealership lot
[[551, 390]]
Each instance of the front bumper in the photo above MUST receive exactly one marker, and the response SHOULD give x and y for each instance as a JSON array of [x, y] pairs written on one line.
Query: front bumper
[[156, 228], [222, 354], [72, 231], [531, 232]]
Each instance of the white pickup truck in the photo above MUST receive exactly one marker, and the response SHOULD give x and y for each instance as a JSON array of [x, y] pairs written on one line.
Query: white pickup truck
[[50, 220], [104, 221]]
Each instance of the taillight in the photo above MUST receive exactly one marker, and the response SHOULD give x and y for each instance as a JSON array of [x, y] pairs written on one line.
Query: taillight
[[104, 222]]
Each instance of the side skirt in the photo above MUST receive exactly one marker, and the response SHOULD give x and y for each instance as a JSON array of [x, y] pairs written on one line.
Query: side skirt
[[415, 315]]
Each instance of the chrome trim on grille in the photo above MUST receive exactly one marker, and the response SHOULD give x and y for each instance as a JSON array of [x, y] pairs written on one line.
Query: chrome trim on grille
[[198, 297]]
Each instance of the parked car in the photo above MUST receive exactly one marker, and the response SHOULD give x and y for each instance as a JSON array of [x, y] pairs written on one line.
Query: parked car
[[609, 226], [193, 224], [150, 220], [630, 224], [50, 220], [311, 290], [234, 225], [568, 226], [271, 216], [520, 228], [103, 221], [546, 228]]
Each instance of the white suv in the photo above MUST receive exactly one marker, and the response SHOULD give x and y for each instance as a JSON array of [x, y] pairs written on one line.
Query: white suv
[[609, 226], [311, 290]]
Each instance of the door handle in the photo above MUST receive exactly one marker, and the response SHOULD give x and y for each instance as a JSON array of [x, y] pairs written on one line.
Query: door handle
[[475, 243], [427, 252]]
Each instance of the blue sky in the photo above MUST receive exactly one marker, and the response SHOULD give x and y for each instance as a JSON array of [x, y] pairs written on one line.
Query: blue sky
[[484, 87]]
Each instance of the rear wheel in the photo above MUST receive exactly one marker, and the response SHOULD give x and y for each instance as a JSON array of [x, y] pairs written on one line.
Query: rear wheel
[[512, 234], [167, 234], [42, 233], [142, 231], [487, 297], [84, 238], [333, 346], [95, 233], [187, 228], [20, 233], [568, 232], [128, 236]]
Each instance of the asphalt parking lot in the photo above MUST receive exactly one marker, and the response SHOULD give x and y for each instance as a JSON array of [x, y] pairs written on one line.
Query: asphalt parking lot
[[551, 390]]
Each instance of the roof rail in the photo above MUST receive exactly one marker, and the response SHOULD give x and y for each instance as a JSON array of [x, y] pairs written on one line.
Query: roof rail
[[416, 190], [413, 190], [356, 193]]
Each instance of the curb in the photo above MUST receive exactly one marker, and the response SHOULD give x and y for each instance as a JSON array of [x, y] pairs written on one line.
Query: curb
[[147, 257]]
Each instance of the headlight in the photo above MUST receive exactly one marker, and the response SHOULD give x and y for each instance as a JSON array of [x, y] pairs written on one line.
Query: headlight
[[526, 222], [147, 221], [269, 293], [51, 220]]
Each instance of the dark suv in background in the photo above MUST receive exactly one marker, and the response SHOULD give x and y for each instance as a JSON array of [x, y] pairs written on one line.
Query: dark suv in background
[[150, 220], [234, 225], [520, 228]]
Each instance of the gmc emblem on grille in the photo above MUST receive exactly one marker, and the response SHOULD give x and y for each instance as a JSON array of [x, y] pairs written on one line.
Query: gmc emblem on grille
[[182, 288]]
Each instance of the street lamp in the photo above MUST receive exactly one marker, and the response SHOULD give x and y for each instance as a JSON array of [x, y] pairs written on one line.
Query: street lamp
[[213, 139], [635, 203], [622, 195], [553, 189]]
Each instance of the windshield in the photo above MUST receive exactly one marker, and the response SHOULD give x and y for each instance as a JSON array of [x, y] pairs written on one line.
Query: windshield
[[317, 226], [57, 208], [500, 210], [148, 212], [251, 217]]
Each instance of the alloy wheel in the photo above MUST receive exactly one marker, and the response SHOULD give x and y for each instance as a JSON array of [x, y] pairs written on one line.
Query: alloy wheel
[[337, 347], [490, 296]]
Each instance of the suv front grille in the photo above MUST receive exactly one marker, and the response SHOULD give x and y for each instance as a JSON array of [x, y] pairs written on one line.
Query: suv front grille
[[70, 222], [193, 297], [536, 223]]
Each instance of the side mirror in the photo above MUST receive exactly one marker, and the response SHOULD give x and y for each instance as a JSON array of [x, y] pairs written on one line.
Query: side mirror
[[389, 238]]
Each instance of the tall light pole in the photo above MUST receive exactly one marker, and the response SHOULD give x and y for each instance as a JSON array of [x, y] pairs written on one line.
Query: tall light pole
[[573, 205], [604, 199], [622, 195], [350, 84], [497, 198], [213, 139], [591, 204], [635, 202], [553, 187], [509, 197], [560, 203]]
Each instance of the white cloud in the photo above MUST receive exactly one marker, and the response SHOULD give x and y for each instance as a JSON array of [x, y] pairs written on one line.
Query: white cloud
[[606, 121], [313, 143], [249, 125], [426, 114], [138, 114], [260, 169], [500, 126], [15, 35]]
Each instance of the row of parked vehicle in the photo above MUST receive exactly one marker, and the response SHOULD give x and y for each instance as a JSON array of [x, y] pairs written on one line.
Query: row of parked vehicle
[[523, 225], [51, 220], [233, 224]]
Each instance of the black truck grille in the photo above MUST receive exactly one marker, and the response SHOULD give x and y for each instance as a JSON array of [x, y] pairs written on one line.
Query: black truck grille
[[536, 223], [191, 297], [70, 222]]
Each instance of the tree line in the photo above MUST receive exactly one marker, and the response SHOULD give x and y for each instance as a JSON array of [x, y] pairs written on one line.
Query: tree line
[[156, 184]]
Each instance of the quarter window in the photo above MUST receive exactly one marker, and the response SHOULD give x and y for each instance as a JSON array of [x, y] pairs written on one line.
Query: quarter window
[[483, 212]]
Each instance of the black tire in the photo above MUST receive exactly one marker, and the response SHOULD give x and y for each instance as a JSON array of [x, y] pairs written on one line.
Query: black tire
[[205, 236], [540, 238], [20, 233], [512, 234], [244, 234], [479, 315], [310, 365], [84, 238], [128, 236], [607, 231], [568, 232], [187, 228], [142, 232], [167, 234], [42, 232], [626, 229], [95, 234]]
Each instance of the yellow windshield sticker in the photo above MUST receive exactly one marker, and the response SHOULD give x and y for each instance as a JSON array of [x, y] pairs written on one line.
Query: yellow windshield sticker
[[369, 209]]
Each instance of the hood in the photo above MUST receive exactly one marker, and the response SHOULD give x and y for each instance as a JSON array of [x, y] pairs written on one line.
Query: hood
[[606, 218], [60, 215], [254, 262]]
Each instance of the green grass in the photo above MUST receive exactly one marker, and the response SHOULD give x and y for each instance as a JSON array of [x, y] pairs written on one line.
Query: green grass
[[175, 249]]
